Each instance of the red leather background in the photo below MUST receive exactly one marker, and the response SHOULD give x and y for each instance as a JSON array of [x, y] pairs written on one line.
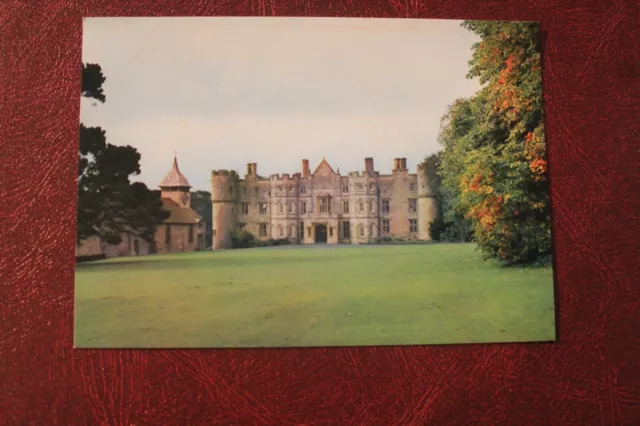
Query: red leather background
[[591, 376]]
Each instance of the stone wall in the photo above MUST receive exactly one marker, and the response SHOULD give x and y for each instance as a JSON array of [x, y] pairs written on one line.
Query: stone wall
[[179, 238], [129, 246]]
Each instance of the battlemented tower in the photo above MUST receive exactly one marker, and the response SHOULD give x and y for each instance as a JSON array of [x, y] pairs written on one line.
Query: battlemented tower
[[223, 199], [427, 205]]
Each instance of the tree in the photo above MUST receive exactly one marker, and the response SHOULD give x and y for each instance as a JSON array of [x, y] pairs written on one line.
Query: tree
[[201, 203], [494, 154], [92, 81], [449, 225], [108, 203]]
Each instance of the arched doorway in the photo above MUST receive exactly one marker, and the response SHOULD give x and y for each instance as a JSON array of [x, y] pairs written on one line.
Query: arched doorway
[[321, 233]]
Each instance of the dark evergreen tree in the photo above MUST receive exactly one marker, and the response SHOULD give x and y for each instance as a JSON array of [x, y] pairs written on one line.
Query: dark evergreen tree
[[108, 202]]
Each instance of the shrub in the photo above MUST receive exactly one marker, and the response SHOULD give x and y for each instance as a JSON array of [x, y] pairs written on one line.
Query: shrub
[[242, 239], [437, 228]]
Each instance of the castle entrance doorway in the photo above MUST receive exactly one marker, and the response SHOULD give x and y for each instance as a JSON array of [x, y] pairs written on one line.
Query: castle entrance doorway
[[321, 233]]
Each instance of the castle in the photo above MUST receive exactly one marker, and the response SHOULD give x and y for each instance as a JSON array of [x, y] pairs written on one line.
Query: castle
[[182, 231], [323, 206]]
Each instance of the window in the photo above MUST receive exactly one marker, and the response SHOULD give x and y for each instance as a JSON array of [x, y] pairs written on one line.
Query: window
[[361, 206], [245, 208], [190, 233], [412, 187], [371, 206], [360, 187], [242, 226], [292, 231], [257, 191], [331, 232], [280, 189], [361, 231], [372, 230], [413, 225], [345, 230], [280, 231], [303, 207], [292, 207], [345, 207], [303, 189], [167, 235], [301, 229], [372, 187], [280, 208], [324, 205], [263, 208], [386, 228], [385, 206], [413, 205], [345, 188], [263, 230]]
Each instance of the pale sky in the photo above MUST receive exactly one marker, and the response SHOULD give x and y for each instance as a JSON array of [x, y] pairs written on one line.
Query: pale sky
[[223, 92]]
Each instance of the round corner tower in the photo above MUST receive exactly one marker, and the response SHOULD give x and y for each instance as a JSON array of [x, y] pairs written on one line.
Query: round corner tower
[[223, 211], [427, 205]]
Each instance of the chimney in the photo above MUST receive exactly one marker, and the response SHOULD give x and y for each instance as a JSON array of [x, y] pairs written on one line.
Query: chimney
[[254, 169], [249, 168], [305, 168], [396, 164], [368, 165], [403, 163]]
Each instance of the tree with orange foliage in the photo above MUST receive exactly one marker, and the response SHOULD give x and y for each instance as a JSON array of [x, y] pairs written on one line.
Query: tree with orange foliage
[[494, 159]]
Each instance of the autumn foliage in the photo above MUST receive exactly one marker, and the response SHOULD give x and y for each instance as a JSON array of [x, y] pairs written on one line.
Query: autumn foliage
[[494, 164]]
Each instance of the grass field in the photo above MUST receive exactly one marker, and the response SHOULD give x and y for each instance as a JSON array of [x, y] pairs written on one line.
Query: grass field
[[311, 296]]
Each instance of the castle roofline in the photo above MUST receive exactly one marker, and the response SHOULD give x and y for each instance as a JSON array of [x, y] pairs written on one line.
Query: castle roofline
[[324, 168], [174, 179]]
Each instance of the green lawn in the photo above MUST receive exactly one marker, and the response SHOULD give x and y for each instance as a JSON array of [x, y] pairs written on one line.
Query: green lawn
[[311, 296]]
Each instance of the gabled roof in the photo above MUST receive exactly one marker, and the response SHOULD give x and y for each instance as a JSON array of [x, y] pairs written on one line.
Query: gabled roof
[[174, 179], [179, 215], [324, 169]]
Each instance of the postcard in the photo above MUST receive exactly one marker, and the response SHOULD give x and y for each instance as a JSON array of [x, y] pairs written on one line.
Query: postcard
[[306, 182]]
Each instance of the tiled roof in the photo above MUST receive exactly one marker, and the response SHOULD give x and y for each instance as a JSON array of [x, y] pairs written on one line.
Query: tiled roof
[[182, 215], [174, 179]]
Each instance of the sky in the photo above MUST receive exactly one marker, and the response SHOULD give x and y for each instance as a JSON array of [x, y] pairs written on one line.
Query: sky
[[223, 92]]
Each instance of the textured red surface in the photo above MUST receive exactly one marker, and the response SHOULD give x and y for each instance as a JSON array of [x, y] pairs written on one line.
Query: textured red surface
[[590, 377]]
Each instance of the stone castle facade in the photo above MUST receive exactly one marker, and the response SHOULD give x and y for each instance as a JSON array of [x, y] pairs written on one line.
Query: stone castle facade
[[323, 206]]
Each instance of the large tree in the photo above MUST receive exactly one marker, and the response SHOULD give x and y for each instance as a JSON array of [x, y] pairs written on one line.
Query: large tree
[[450, 225], [494, 152], [108, 202]]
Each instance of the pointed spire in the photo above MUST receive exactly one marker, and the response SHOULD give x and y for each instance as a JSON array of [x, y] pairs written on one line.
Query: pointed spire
[[174, 179]]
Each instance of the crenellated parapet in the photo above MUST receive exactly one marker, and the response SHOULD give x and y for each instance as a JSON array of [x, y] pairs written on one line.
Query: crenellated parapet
[[285, 177], [228, 173]]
